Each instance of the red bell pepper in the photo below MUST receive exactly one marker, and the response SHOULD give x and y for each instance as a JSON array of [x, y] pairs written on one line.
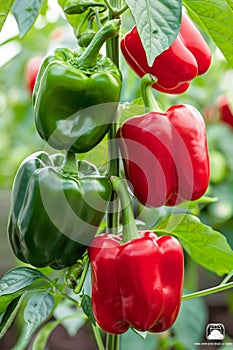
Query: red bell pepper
[[165, 155], [136, 284], [187, 57], [225, 113], [31, 71]]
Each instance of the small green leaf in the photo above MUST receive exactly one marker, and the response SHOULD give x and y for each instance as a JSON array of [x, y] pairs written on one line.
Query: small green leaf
[[158, 24], [37, 310], [216, 18], [18, 279], [10, 314], [5, 6], [207, 247], [87, 308], [26, 12], [5, 300]]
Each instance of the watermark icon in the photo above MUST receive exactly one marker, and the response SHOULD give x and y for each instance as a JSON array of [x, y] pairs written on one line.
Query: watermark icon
[[215, 335], [215, 331]]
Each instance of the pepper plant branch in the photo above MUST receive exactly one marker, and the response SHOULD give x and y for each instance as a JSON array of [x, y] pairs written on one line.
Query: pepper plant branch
[[116, 11], [129, 227], [64, 295], [98, 338], [112, 48], [227, 278], [113, 151], [205, 292]]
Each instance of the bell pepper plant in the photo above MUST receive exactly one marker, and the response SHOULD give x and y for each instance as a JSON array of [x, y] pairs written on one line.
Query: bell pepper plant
[[165, 155], [187, 57], [66, 215]]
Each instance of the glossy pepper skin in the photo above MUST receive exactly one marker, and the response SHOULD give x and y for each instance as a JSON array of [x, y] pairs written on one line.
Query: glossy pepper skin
[[187, 57], [165, 156], [76, 95], [136, 284], [55, 215]]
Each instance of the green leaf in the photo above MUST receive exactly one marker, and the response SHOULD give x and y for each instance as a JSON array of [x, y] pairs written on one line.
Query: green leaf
[[76, 20], [5, 300], [26, 12], [5, 6], [158, 24], [10, 314], [131, 340], [190, 324], [216, 18], [207, 247], [87, 308], [18, 279], [37, 310], [43, 335]]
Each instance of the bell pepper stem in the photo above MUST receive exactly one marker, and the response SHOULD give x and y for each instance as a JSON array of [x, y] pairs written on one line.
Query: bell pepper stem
[[147, 94], [129, 227], [89, 57], [70, 165]]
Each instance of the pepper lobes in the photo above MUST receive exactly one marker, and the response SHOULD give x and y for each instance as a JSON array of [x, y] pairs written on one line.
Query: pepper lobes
[[76, 94], [55, 214], [165, 155], [187, 57], [136, 284]]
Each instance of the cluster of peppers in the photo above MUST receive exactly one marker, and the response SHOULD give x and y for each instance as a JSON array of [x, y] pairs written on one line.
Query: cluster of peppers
[[58, 202]]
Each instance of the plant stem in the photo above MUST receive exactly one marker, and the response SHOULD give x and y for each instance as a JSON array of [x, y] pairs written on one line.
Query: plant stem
[[79, 286], [89, 57], [147, 94], [98, 338], [70, 164], [227, 278], [129, 227], [114, 11], [208, 291], [113, 154]]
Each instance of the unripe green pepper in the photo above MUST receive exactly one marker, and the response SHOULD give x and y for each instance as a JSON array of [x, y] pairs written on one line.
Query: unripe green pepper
[[85, 38], [77, 7], [55, 210], [72, 274], [76, 94]]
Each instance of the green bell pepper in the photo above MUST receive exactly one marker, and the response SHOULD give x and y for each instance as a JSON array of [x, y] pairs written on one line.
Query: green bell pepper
[[76, 94], [55, 210]]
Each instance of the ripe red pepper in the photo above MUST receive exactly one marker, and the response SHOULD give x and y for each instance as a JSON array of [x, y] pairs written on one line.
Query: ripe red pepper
[[31, 70], [136, 284], [165, 155], [226, 115], [187, 57]]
